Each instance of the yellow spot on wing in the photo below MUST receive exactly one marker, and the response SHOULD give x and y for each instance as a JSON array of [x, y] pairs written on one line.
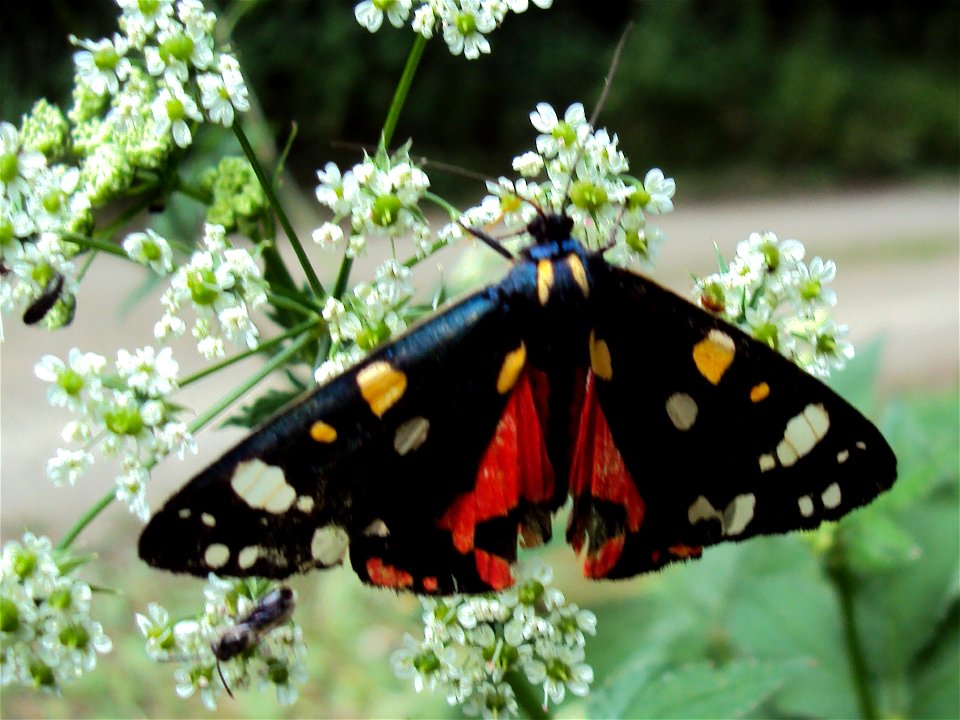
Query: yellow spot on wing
[[510, 370], [713, 355], [759, 392], [381, 386], [322, 432], [600, 358], [544, 280], [579, 274]]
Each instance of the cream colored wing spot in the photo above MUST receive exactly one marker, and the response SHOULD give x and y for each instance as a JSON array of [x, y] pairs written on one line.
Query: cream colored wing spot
[[411, 435], [329, 545], [802, 434], [183, 513], [378, 528], [861, 445], [805, 503], [305, 504], [786, 454], [843, 456], [510, 370], [759, 392], [248, 556], [735, 516], [831, 496], [600, 361], [208, 519], [381, 385], [579, 274], [323, 432], [263, 486], [713, 355], [682, 411], [738, 514], [216, 555], [544, 280], [767, 462]]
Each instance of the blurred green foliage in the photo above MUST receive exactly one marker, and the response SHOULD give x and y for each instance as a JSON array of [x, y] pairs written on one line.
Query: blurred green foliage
[[725, 94]]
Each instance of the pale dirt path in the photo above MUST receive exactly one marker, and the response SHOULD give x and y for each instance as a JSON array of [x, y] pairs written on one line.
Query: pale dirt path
[[897, 251]]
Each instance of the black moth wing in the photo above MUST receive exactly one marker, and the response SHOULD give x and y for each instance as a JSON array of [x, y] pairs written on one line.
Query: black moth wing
[[369, 460], [724, 437]]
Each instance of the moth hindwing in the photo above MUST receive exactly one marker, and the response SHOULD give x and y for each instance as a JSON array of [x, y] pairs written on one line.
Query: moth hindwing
[[430, 459]]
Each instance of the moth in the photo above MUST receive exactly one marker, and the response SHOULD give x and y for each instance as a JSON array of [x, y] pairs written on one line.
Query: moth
[[430, 461]]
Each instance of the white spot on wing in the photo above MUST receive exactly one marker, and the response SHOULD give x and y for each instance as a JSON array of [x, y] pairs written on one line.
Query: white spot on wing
[[216, 555], [701, 509], [183, 513], [378, 528], [738, 514], [805, 503], [305, 503], [248, 556], [842, 456], [767, 462], [818, 419], [329, 545], [831, 496], [208, 519], [682, 410], [786, 454], [861, 444], [263, 486], [411, 435]]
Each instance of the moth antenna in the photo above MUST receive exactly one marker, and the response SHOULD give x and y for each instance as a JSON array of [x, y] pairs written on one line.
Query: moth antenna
[[490, 241], [601, 101], [224, 680]]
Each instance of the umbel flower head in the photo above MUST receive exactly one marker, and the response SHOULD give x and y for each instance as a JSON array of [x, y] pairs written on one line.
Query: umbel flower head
[[48, 637], [274, 659], [472, 646]]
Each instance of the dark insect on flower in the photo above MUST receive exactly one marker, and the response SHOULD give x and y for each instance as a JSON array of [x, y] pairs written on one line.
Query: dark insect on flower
[[272, 610], [38, 309]]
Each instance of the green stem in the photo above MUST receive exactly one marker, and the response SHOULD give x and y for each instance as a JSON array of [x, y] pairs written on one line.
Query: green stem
[[95, 243], [86, 519], [288, 302], [262, 347], [278, 210], [527, 700], [403, 87], [275, 362], [343, 277], [844, 585], [192, 191]]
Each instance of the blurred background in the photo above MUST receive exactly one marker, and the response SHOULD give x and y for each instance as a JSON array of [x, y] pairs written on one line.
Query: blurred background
[[832, 122]]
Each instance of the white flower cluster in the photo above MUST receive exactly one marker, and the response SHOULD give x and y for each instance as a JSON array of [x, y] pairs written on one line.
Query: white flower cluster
[[769, 292], [137, 96], [48, 636], [222, 284], [123, 413], [464, 24], [381, 198], [367, 316], [585, 174], [470, 644], [275, 660]]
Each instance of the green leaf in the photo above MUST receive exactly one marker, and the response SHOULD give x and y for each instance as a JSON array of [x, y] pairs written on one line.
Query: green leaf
[[878, 542], [695, 690], [249, 416], [936, 678], [786, 609]]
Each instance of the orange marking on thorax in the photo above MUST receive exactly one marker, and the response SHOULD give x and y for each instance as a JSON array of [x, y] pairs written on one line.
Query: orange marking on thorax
[[387, 575], [514, 466]]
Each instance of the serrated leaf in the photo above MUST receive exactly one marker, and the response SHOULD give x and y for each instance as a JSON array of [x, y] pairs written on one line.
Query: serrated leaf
[[250, 416], [702, 690]]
